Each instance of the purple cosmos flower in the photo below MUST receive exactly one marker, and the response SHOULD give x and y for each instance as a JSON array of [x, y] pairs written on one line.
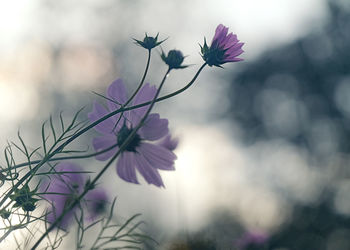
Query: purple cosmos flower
[[96, 202], [251, 239], [224, 48], [146, 152], [64, 186]]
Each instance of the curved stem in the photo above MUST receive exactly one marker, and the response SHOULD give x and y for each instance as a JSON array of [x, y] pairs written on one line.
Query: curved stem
[[62, 158], [137, 89], [93, 182], [142, 80]]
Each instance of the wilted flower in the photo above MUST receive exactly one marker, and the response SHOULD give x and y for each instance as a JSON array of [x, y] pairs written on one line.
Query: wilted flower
[[145, 152], [224, 48], [96, 202], [64, 186]]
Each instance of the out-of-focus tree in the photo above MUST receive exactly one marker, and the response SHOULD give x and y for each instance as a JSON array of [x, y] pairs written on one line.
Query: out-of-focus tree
[[299, 92]]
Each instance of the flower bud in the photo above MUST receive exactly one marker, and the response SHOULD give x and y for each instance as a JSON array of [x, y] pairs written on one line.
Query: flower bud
[[24, 198], [174, 59], [149, 42], [5, 214], [224, 48]]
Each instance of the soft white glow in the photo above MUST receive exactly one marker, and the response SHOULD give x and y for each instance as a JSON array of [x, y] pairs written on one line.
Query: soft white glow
[[15, 19], [17, 101]]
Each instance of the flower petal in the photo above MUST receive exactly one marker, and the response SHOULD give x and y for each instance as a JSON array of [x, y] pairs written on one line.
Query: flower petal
[[157, 156], [117, 92], [146, 93], [154, 128], [103, 142], [149, 173], [230, 40], [55, 211], [105, 127], [168, 142], [220, 34], [126, 167], [232, 50]]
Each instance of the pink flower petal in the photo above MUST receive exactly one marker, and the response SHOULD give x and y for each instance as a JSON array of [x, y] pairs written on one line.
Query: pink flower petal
[[220, 34]]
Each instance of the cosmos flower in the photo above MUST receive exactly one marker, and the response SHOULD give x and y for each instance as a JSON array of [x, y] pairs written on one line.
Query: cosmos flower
[[96, 202], [224, 48], [147, 152], [63, 187]]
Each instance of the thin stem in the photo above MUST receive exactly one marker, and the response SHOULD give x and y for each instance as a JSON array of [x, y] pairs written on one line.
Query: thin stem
[[62, 158], [142, 80], [137, 89], [93, 182]]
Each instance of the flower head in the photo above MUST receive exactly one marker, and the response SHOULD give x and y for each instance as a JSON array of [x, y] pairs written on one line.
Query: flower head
[[96, 201], [145, 152], [224, 48], [64, 186]]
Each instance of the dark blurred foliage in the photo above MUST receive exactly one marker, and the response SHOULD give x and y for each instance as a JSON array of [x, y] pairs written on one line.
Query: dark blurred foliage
[[295, 93], [301, 93], [221, 232], [313, 227], [194, 244]]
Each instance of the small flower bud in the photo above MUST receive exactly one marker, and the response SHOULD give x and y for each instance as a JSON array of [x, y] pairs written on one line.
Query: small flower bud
[[149, 42], [174, 59], [24, 198], [5, 214], [29, 205]]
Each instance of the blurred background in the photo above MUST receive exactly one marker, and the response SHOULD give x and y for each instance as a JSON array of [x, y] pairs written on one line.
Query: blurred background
[[263, 154]]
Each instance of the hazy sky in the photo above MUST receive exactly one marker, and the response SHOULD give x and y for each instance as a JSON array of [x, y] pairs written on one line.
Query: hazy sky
[[31, 30]]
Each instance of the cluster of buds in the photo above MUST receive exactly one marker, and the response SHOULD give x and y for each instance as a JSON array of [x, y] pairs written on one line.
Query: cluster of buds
[[24, 198]]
